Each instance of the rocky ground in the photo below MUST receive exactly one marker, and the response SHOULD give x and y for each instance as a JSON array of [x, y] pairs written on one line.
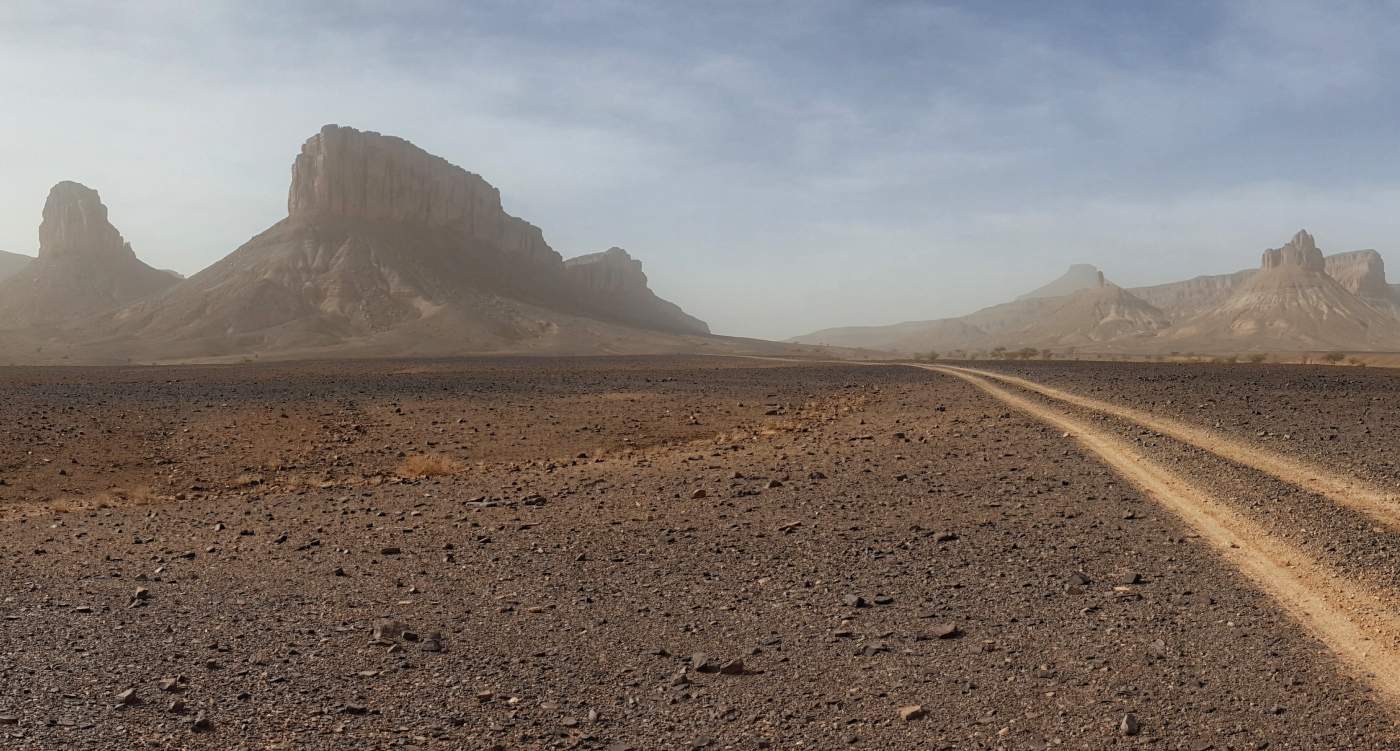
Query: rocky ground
[[643, 553]]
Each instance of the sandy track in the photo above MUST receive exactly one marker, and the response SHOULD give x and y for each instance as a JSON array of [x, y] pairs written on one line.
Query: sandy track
[[1379, 504], [1353, 623]]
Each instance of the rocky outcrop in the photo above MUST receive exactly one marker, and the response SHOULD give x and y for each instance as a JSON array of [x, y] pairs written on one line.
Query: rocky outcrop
[[1182, 300], [612, 284], [1104, 313], [612, 272], [1291, 304], [84, 265], [387, 249], [75, 224], [1362, 272], [11, 264], [1298, 299], [1300, 252], [347, 174]]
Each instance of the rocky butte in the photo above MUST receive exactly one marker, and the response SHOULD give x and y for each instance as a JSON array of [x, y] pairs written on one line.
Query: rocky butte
[[615, 282], [389, 250], [1298, 299], [1362, 272], [84, 265], [1290, 304]]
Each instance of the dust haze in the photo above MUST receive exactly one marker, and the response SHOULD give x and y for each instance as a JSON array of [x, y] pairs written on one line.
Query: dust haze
[[627, 376]]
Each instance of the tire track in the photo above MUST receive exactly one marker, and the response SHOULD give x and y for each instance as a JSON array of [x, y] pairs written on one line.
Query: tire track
[[1357, 625], [1381, 505]]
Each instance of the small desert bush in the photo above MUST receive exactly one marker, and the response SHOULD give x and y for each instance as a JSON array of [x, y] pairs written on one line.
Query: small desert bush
[[1334, 357], [1258, 357], [429, 465], [247, 480], [139, 496]]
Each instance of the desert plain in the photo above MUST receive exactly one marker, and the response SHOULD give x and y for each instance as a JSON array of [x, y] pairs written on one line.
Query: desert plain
[[698, 553]]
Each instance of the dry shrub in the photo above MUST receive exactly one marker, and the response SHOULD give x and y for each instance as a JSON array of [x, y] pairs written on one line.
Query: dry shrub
[[429, 465], [119, 497], [247, 480]]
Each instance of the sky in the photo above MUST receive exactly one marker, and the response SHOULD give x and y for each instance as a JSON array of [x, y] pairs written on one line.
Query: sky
[[779, 167]]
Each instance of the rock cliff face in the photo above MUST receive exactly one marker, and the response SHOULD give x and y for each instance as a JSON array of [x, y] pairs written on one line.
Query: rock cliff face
[[1298, 299], [1290, 304], [11, 263], [391, 250], [1362, 272], [84, 265], [1181, 300], [347, 174], [75, 224], [612, 283], [1300, 252]]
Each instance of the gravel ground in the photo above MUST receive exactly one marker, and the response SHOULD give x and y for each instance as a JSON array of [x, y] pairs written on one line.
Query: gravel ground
[[643, 553], [1342, 417]]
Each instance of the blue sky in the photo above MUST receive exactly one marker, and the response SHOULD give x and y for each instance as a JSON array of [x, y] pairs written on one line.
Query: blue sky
[[779, 167]]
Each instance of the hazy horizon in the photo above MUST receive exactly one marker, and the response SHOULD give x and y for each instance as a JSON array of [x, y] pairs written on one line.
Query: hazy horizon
[[778, 169]]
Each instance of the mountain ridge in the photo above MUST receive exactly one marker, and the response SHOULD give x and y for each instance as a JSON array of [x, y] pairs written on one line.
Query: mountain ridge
[[385, 249], [1298, 299]]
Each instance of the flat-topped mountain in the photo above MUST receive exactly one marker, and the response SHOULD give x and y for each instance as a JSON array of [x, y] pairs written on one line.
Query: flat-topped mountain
[[1362, 273], [1297, 300], [84, 265], [387, 249], [1291, 303], [613, 285]]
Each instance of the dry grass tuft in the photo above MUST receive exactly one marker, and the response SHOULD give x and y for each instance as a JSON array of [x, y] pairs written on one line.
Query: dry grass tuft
[[117, 497], [429, 465], [247, 480]]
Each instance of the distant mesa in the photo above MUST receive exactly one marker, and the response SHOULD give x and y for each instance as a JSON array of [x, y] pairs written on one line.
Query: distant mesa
[[1079, 276], [1103, 313], [1362, 273], [385, 250], [1298, 299], [613, 284], [84, 265], [1291, 304]]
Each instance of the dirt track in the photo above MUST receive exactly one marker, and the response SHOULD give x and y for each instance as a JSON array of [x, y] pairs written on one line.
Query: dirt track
[[573, 572], [1341, 488], [1361, 627]]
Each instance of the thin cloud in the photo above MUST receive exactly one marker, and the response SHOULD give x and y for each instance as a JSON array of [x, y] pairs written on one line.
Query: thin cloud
[[779, 167]]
